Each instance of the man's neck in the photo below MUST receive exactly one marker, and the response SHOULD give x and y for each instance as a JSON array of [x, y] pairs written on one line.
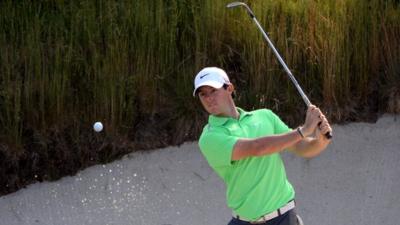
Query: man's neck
[[231, 112], [234, 113]]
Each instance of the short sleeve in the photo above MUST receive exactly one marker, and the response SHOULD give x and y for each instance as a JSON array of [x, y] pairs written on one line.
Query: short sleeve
[[279, 126], [217, 147]]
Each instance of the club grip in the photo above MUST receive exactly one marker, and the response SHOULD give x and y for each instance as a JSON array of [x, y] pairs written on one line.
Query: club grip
[[328, 135]]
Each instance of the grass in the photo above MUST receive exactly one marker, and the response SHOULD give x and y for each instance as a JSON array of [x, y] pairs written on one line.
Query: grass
[[130, 64]]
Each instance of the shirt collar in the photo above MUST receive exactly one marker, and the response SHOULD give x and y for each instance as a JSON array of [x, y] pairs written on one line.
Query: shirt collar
[[221, 120]]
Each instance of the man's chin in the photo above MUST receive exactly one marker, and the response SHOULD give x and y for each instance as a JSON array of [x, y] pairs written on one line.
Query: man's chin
[[215, 113], [212, 112]]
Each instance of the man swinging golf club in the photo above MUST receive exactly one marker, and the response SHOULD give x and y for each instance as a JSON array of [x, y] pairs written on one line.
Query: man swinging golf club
[[243, 149]]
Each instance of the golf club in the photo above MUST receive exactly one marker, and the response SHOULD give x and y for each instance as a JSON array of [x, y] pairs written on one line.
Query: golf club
[[292, 78]]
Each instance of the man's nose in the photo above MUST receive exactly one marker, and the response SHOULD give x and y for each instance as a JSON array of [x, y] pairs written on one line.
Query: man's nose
[[209, 97]]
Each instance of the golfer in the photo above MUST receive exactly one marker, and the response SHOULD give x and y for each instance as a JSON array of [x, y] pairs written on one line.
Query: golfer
[[243, 149]]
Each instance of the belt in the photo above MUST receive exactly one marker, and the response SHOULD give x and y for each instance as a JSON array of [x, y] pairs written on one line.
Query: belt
[[289, 206]]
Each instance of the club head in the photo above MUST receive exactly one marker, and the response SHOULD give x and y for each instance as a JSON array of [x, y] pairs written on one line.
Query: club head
[[236, 4]]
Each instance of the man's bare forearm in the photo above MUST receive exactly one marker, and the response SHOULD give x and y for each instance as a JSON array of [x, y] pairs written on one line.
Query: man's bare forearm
[[309, 147], [264, 145]]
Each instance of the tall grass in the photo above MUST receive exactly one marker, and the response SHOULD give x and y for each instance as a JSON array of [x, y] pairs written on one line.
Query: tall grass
[[66, 64]]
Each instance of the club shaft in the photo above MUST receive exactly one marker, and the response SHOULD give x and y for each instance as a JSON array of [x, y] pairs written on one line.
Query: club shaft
[[278, 56], [292, 78]]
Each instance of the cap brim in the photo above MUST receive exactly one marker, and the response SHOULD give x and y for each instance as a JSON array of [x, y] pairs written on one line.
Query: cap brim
[[214, 84]]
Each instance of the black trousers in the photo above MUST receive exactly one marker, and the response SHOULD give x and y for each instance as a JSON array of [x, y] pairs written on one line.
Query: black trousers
[[289, 218]]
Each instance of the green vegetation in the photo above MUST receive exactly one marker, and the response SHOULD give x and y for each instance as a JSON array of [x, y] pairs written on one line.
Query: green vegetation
[[130, 64]]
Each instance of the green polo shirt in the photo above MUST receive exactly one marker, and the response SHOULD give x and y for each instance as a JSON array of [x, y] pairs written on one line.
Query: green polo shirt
[[255, 185]]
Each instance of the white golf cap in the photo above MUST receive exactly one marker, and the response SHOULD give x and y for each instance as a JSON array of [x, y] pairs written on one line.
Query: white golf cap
[[210, 76]]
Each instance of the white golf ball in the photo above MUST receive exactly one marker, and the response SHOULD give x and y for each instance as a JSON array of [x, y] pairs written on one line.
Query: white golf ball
[[98, 126]]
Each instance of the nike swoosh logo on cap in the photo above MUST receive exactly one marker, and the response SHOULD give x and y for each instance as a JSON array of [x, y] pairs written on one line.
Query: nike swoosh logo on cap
[[201, 77]]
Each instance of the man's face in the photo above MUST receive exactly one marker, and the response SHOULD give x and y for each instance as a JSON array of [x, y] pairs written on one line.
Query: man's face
[[215, 101]]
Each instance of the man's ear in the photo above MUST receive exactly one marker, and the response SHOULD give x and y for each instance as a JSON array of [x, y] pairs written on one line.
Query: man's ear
[[231, 88]]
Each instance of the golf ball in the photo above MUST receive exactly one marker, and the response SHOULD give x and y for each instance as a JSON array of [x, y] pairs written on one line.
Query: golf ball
[[98, 126]]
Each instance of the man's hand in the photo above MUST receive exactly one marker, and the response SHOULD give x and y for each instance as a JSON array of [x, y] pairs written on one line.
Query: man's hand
[[313, 118], [313, 145], [324, 128]]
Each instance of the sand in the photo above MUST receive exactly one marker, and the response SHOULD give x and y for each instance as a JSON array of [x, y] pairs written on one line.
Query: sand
[[355, 181]]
